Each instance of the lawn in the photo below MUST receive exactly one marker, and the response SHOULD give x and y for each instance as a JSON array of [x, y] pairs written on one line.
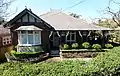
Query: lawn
[[105, 64]]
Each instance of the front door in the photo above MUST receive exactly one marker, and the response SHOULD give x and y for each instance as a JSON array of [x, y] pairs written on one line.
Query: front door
[[56, 41]]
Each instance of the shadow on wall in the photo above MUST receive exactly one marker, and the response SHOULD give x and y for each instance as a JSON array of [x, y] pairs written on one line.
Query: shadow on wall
[[3, 50]]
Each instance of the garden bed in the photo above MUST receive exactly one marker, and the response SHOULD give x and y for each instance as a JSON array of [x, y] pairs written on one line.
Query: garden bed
[[81, 53], [26, 57]]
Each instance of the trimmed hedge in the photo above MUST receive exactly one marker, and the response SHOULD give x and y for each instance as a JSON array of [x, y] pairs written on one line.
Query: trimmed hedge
[[25, 54], [75, 45], [86, 45], [96, 46], [66, 46], [108, 46], [105, 64]]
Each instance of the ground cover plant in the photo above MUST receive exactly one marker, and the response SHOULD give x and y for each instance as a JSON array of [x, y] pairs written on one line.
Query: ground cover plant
[[105, 64]]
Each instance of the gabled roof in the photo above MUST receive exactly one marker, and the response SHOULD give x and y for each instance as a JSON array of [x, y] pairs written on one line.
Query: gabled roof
[[23, 13], [62, 21]]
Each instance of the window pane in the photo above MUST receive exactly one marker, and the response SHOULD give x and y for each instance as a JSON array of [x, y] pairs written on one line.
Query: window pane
[[37, 39], [24, 39], [30, 39], [30, 32], [23, 32], [73, 37], [36, 32]]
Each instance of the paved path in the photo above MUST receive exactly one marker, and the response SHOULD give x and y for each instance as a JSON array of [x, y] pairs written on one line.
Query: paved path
[[57, 59]]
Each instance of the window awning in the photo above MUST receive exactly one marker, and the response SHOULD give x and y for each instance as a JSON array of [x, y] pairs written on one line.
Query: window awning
[[31, 27]]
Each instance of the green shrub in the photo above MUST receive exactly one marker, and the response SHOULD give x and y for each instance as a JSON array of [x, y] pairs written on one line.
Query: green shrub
[[66, 46], [96, 46], [105, 64], [12, 51], [75, 45], [25, 54], [108, 46], [86, 45]]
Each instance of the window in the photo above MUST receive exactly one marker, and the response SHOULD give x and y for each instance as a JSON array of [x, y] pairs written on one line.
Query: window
[[71, 37], [29, 38]]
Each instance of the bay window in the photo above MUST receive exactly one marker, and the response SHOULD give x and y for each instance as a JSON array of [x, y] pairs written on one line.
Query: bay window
[[29, 38]]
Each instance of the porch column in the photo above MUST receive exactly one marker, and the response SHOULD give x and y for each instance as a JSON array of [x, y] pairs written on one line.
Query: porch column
[[50, 34], [58, 34], [103, 39], [66, 36], [80, 35]]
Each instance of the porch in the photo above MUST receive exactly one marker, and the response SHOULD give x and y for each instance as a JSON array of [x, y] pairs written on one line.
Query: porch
[[69, 37]]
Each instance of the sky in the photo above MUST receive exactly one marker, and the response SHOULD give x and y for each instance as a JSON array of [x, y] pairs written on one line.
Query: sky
[[88, 9]]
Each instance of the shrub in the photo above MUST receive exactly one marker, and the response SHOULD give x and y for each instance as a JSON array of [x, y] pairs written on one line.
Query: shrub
[[12, 52], [86, 45], [96, 46], [105, 64], [66, 46], [108, 46], [25, 54], [75, 45]]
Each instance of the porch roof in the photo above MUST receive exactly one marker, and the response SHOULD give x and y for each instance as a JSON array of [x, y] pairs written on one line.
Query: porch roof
[[62, 21], [31, 27]]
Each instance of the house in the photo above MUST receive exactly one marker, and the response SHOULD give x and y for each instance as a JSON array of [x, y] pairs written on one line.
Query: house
[[50, 30], [5, 42], [5, 37]]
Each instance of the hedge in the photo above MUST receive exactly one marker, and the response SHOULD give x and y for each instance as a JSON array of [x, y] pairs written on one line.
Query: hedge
[[105, 64], [25, 54]]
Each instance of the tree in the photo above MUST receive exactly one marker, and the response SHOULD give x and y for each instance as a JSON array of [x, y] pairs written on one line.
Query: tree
[[108, 23], [115, 15], [4, 4], [75, 15]]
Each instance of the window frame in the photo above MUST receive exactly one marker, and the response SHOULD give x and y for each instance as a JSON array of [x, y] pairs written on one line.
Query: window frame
[[71, 33], [27, 34]]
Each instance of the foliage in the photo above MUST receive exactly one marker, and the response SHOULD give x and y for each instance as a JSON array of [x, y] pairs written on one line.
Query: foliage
[[96, 46], [86, 45], [75, 15], [66, 46], [24, 54], [75, 45], [4, 5], [105, 64], [108, 46], [107, 23]]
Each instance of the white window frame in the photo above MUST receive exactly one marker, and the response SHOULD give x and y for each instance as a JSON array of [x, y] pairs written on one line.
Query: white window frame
[[20, 39], [71, 33]]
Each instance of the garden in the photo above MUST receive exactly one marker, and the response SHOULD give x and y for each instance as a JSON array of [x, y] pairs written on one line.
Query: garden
[[104, 64], [84, 50], [31, 54]]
